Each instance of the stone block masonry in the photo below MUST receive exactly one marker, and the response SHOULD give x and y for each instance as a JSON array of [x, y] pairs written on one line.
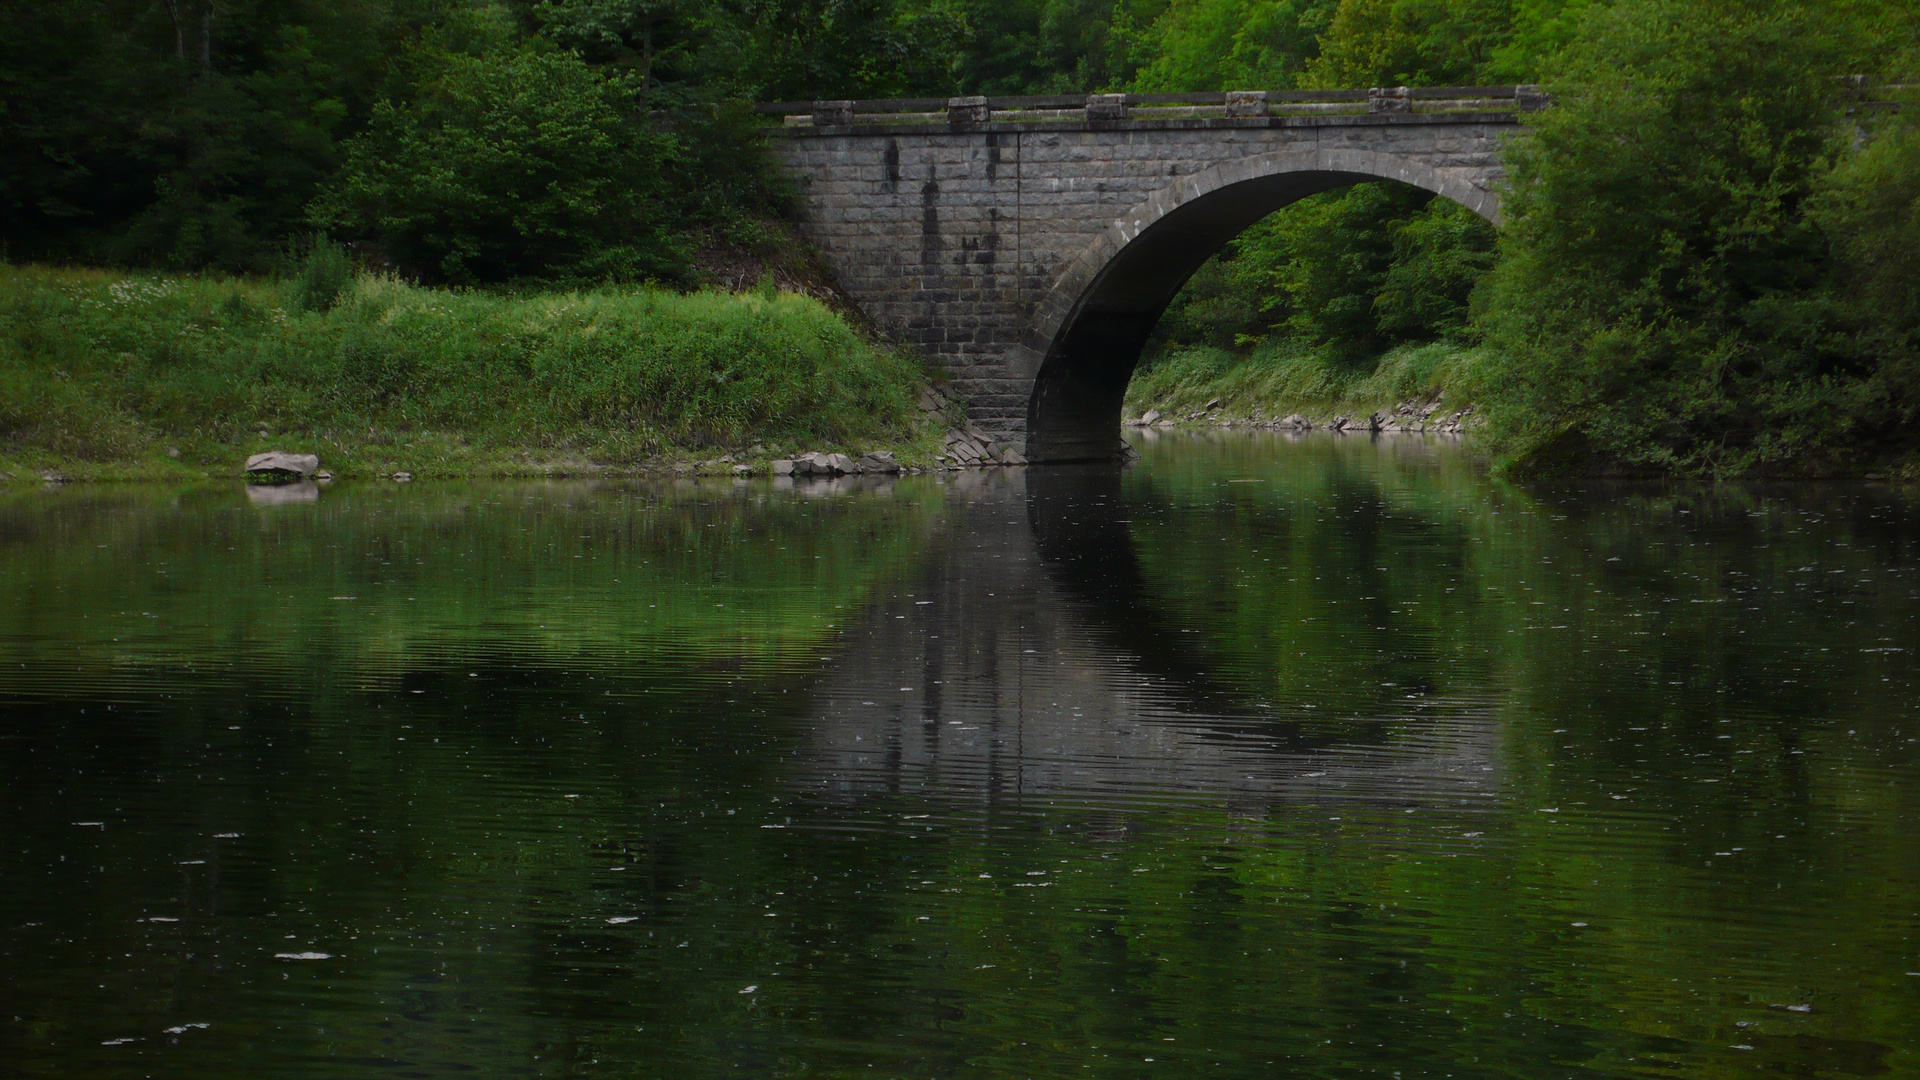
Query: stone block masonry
[[1028, 245]]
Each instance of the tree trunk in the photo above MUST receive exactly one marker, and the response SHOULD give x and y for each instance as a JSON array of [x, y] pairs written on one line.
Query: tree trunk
[[179, 32]]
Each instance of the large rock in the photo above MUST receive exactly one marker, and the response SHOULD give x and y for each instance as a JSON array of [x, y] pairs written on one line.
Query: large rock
[[819, 464], [280, 467], [880, 461]]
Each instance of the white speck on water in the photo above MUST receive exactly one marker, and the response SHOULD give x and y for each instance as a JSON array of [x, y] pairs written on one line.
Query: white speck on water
[[192, 862], [226, 836], [1579, 924], [302, 956], [184, 1028], [163, 918], [117, 1042], [91, 824], [1799, 1008], [751, 989], [618, 919]]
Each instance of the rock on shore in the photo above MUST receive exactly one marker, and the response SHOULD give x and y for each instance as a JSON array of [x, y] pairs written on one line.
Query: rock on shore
[[280, 467]]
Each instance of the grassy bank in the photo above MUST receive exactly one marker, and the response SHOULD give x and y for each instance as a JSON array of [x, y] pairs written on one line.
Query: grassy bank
[[112, 375], [1285, 378]]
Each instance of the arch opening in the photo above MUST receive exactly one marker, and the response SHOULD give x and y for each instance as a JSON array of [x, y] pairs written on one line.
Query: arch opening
[[1091, 330]]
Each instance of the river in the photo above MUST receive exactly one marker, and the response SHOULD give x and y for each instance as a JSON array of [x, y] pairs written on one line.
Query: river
[[1268, 756]]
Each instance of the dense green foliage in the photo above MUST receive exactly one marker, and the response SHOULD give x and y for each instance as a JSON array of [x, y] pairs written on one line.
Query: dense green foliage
[[1688, 306], [523, 166], [98, 367]]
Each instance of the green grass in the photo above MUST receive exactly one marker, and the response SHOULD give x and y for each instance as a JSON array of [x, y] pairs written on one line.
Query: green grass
[[120, 375], [1284, 377]]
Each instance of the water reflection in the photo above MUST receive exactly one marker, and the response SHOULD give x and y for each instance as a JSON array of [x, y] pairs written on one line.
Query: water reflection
[[1320, 757], [1045, 666]]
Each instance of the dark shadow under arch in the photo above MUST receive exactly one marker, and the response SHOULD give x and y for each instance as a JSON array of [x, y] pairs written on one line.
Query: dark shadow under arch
[[1088, 332]]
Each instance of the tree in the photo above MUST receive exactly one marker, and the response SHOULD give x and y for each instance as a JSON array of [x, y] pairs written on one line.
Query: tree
[[525, 165], [1664, 300]]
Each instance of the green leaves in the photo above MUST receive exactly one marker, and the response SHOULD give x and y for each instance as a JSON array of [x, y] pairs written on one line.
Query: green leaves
[[511, 167], [1665, 300]]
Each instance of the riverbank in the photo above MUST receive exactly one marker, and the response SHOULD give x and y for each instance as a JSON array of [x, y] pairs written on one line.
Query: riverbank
[[1412, 388], [106, 375]]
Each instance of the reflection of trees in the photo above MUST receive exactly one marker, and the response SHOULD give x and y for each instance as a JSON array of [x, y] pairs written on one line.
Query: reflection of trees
[[1383, 941], [383, 580]]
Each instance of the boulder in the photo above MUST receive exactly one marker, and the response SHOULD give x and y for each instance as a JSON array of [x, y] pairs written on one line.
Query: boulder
[[743, 470], [1296, 421], [839, 464], [783, 467], [1010, 456], [280, 467], [880, 461], [1338, 423], [1151, 416]]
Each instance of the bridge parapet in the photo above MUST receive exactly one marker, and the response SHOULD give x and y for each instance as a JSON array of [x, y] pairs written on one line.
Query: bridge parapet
[[974, 111]]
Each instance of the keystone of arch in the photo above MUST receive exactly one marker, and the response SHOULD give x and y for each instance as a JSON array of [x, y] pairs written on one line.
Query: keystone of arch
[[1080, 279]]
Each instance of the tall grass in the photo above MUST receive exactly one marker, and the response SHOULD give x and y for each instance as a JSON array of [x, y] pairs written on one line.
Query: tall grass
[[1285, 377], [99, 367]]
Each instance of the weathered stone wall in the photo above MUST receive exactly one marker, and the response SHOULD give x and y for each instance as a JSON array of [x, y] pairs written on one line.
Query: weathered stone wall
[[985, 244]]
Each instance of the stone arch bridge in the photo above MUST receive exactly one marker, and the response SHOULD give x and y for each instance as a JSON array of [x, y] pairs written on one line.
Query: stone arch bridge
[[1030, 244]]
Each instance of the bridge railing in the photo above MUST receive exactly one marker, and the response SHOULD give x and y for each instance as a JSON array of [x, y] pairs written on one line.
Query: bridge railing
[[1861, 94], [1098, 108]]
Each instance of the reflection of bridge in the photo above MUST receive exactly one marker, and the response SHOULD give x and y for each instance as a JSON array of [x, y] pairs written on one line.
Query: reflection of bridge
[[1032, 662], [1029, 244]]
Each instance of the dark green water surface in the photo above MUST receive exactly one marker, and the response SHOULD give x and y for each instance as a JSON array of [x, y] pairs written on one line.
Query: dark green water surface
[[1263, 758]]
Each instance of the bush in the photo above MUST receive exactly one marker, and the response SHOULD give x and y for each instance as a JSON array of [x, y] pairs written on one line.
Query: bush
[[512, 166], [1665, 301], [323, 274]]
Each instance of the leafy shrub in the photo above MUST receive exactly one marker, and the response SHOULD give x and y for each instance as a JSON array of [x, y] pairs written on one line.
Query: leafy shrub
[[1665, 302], [512, 166], [324, 273]]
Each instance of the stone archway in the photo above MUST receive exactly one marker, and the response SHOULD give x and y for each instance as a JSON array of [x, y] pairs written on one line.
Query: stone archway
[[1087, 333]]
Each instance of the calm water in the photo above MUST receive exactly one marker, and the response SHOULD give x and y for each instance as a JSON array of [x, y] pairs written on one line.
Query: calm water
[[1318, 758]]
